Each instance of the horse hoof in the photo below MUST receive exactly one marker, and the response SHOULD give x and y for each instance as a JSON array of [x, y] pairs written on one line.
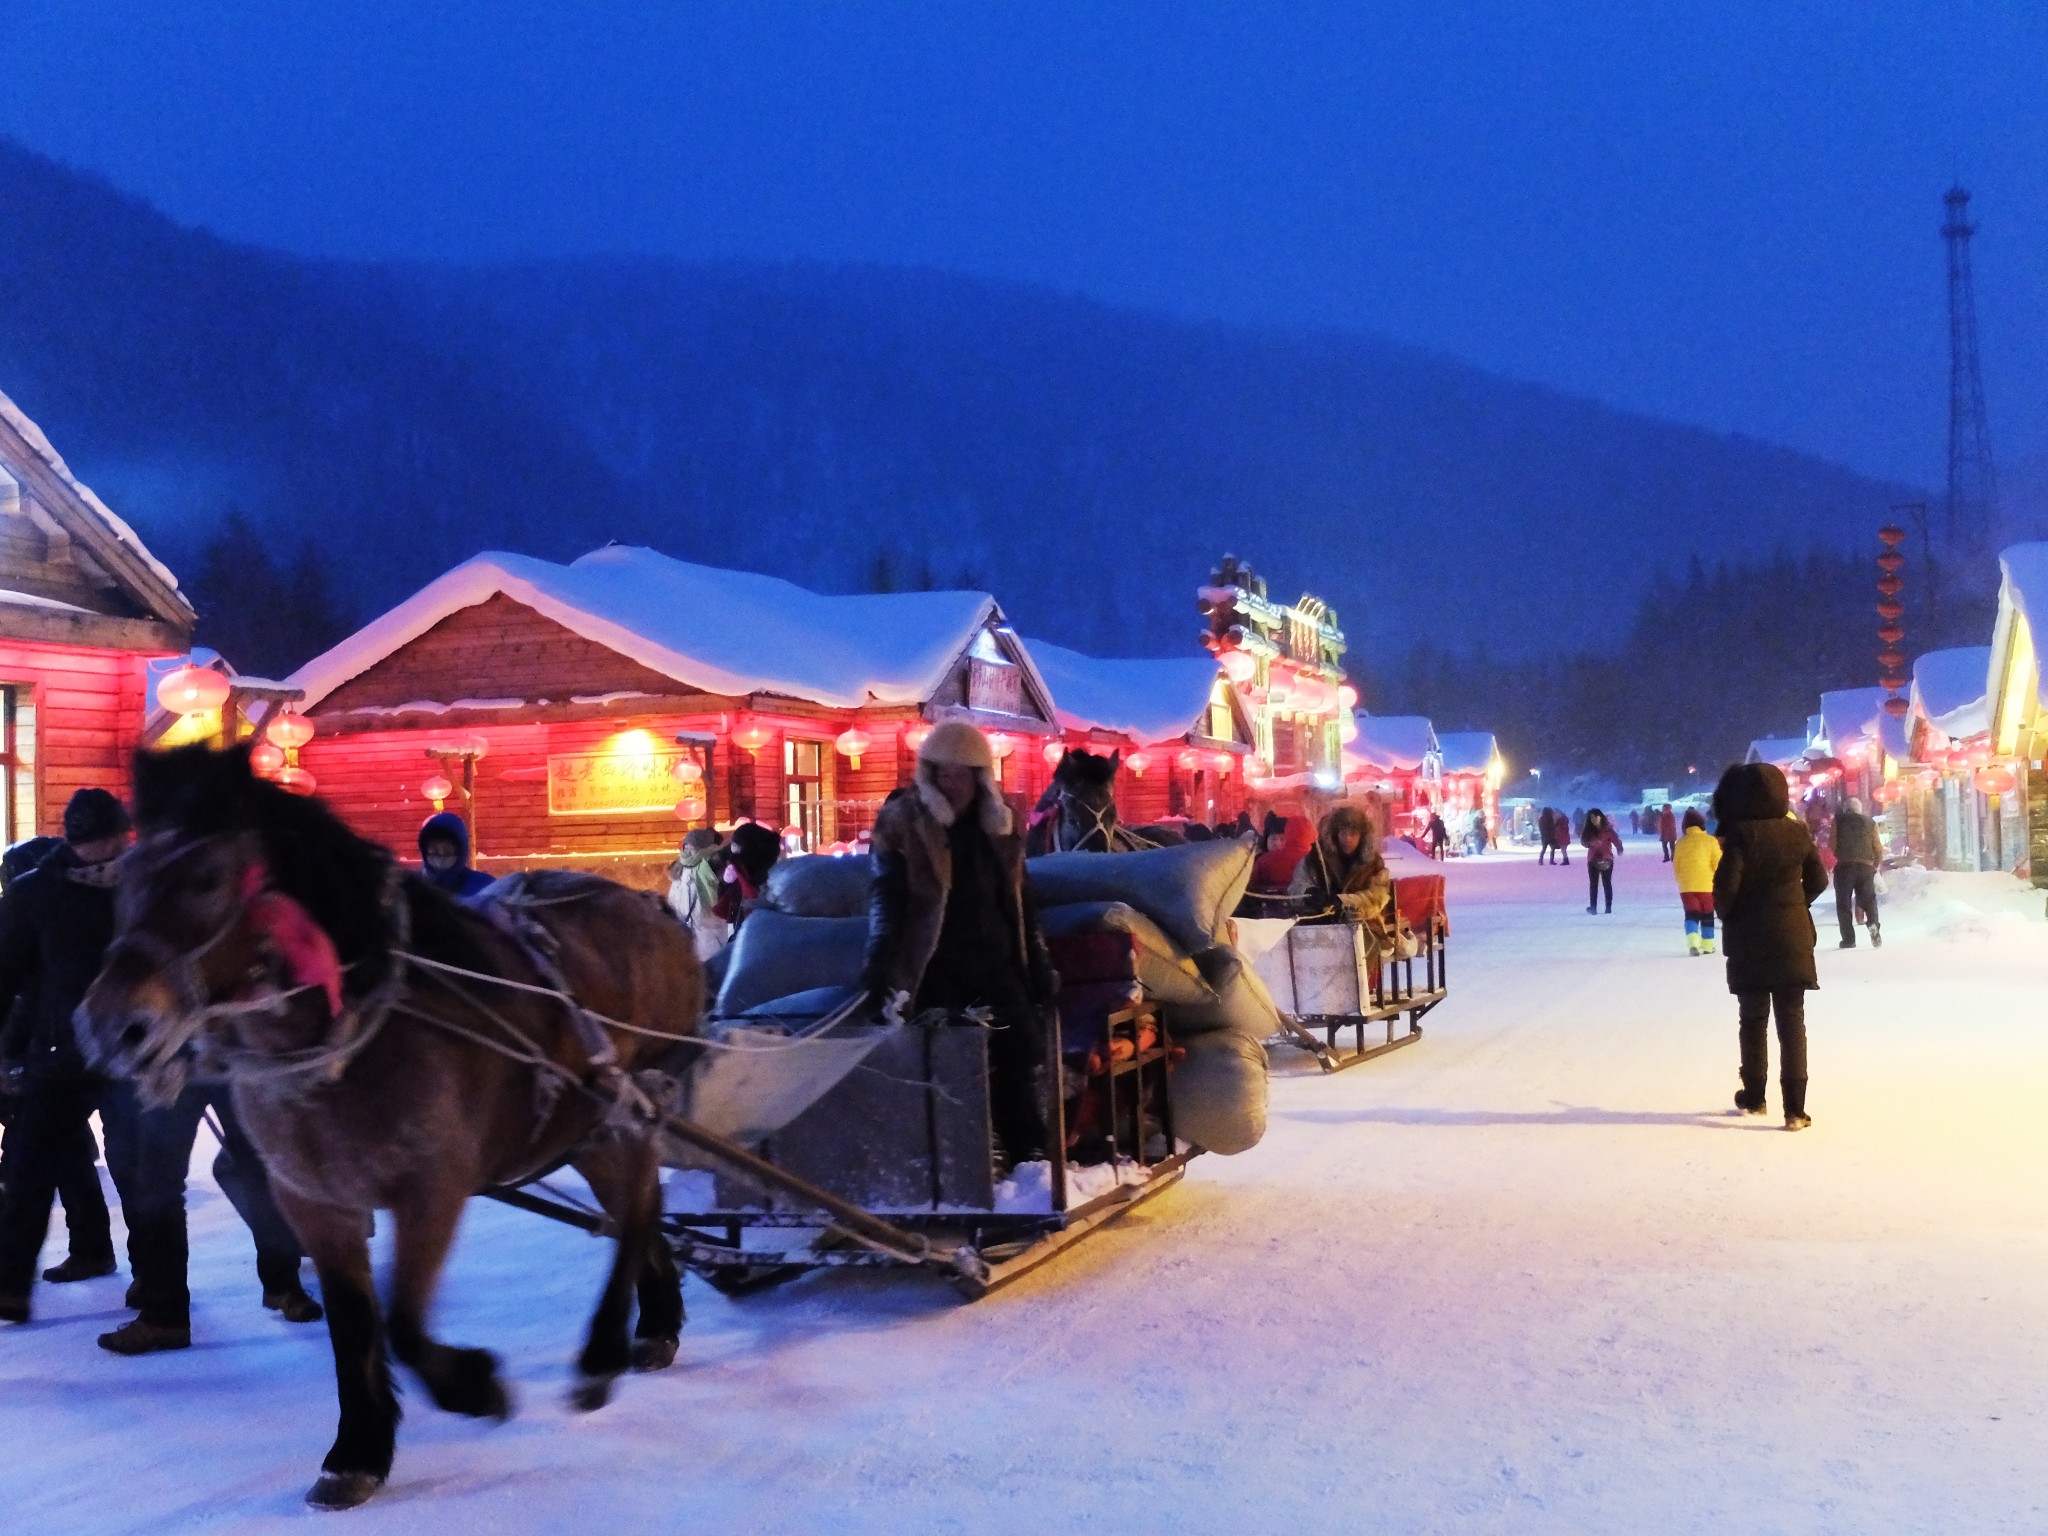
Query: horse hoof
[[343, 1490], [653, 1354], [591, 1393]]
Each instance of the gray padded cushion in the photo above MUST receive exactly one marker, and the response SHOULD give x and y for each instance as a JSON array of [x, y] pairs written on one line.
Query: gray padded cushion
[[777, 954], [1167, 975], [819, 885], [1189, 890], [1219, 1092]]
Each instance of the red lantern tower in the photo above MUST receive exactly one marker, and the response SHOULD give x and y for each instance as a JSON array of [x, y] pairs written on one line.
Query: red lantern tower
[[1891, 660]]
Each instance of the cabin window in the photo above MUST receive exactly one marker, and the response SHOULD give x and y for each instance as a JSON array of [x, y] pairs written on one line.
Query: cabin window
[[17, 764], [803, 774]]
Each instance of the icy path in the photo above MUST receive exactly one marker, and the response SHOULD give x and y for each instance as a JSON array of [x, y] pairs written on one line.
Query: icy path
[[1524, 1276]]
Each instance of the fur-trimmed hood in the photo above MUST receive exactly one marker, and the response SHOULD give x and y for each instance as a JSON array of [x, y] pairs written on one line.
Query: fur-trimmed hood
[[996, 819]]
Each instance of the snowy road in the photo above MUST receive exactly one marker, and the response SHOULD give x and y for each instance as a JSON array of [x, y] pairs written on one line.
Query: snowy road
[[1527, 1275]]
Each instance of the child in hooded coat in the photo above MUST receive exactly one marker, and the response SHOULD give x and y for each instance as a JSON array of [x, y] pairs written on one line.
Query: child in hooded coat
[[1695, 858]]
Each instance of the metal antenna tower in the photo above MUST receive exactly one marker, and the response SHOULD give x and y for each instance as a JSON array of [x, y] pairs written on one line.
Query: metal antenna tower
[[1972, 483]]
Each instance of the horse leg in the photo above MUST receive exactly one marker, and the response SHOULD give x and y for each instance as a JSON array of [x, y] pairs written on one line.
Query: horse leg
[[462, 1381], [360, 1460], [623, 1174], [659, 1330]]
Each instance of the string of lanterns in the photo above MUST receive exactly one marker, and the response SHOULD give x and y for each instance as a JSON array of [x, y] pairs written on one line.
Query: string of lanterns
[[193, 690], [1891, 660]]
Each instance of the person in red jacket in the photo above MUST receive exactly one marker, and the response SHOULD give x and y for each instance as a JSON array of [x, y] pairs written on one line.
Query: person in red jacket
[[1667, 831], [1603, 847]]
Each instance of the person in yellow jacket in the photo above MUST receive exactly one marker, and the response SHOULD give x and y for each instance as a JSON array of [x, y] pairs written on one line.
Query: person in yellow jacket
[[1694, 861]]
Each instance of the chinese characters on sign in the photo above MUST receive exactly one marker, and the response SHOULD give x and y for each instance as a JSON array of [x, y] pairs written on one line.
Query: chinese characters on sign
[[612, 783]]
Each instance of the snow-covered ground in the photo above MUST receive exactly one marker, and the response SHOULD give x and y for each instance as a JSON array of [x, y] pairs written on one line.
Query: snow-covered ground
[[1527, 1275]]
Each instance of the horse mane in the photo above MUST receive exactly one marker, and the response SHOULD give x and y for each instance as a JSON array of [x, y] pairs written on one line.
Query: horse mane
[[312, 856]]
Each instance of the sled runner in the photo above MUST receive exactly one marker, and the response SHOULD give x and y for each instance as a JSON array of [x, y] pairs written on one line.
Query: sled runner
[[872, 1148]]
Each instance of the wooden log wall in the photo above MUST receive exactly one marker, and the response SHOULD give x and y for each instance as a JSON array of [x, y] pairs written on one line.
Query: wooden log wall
[[89, 707]]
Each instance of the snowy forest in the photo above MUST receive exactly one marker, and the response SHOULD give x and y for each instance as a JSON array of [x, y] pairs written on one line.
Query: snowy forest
[[1088, 464]]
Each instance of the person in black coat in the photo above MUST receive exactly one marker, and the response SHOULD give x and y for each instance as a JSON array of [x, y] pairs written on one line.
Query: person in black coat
[[78, 1181], [55, 929], [55, 926], [1858, 852], [1769, 875]]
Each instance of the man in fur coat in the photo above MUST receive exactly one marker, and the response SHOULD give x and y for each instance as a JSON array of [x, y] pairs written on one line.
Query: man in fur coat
[[950, 925]]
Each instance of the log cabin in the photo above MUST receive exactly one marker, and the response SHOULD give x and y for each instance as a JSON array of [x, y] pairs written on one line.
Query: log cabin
[[588, 714], [85, 609]]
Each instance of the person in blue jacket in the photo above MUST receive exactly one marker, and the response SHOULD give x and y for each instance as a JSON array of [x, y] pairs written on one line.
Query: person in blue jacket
[[444, 855]]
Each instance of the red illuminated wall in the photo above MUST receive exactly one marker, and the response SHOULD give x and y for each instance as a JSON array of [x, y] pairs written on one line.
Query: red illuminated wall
[[89, 707]]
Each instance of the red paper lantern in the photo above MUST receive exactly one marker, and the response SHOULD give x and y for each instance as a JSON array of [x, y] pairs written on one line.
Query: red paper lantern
[[687, 771], [1054, 751], [1891, 634], [1189, 760], [193, 690], [1997, 780], [297, 780], [916, 737], [1138, 762], [1892, 533], [1896, 707], [265, 758], [1001, 744], [1890, 586], [852, 743], [1891, 610], [691, 807], [290, 731], [753, 736], [1238, 666], [435, 787], [1891, 560]]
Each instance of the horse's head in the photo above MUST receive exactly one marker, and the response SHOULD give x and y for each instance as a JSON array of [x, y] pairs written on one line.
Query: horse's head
[[197, 921], [1087, 792]]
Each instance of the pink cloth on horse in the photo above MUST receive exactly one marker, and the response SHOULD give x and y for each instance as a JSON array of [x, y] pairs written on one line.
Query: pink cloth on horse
[[309, 954]]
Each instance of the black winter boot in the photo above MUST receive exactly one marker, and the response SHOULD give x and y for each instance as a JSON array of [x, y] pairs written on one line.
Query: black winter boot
[[1796, 1118], [1749, 1102]]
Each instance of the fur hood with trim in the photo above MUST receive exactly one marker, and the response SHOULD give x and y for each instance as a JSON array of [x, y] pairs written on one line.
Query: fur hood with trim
[[996, 818]]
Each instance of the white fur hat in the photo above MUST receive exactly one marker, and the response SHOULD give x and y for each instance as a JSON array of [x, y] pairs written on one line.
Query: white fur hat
[[956, 744]]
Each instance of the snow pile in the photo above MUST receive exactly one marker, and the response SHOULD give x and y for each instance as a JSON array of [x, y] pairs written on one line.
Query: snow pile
[[1956, 908], [724, 632], [1148, 701]]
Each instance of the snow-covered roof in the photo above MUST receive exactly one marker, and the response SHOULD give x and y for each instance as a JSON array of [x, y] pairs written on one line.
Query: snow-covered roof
[[2022, 593], [1951, 690], [32, 436], [1781, 750], [725, 632], [1396, 742], [1148, 701], [1467, 751], [1850, 715]]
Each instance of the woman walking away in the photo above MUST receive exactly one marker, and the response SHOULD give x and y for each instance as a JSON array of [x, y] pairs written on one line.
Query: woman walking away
[[1546, 821], [1858, 852], [1667, 831], [1603, 847], [1770, 873], [1698, 855], [1561, 837]]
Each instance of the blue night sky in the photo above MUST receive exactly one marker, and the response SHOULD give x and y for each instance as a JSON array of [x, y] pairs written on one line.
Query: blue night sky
[[1723, 213]]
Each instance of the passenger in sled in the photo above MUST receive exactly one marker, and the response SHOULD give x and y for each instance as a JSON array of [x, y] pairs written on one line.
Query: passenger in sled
[[1348, 880], [951, 927]]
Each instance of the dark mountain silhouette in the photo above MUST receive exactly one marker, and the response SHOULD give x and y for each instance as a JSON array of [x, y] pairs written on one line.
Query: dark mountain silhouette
[[849, 427]]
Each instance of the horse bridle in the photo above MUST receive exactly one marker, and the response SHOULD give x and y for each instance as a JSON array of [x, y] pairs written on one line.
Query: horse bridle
[[1102, 820]]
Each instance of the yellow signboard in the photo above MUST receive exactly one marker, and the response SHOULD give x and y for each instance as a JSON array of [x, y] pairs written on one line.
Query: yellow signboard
[[613, 783]]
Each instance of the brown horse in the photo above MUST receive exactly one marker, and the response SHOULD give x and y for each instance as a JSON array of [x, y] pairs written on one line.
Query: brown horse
[[392, 1049]]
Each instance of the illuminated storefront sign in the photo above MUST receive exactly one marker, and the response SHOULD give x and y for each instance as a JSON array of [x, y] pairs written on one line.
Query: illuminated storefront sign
[[613, 783]]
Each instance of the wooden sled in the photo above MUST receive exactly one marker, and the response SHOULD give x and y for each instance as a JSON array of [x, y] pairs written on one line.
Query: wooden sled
[[893, 1167]]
